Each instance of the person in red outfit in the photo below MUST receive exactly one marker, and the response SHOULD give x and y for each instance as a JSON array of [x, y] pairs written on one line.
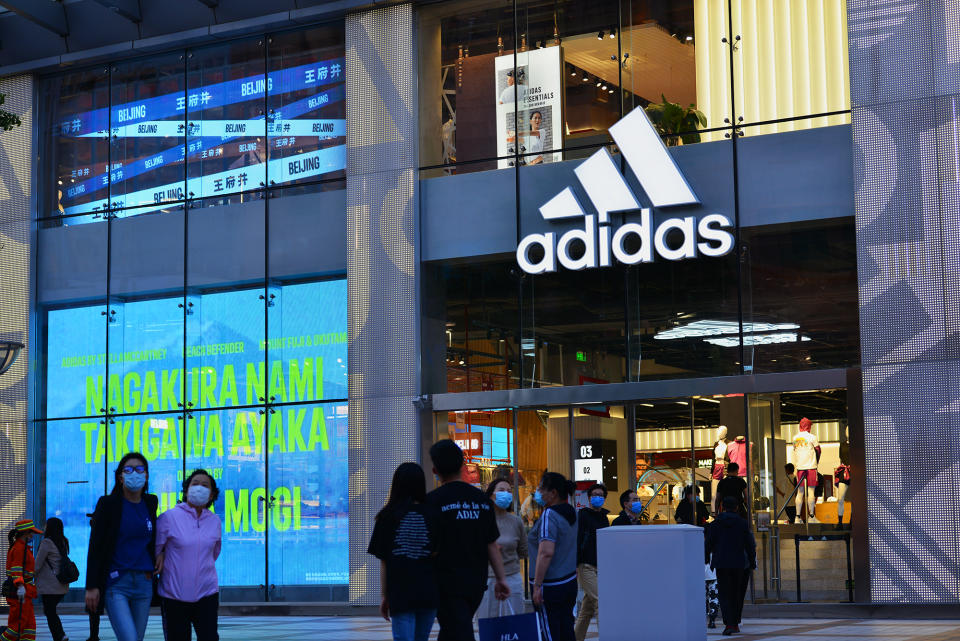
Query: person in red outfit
[[21, 624]]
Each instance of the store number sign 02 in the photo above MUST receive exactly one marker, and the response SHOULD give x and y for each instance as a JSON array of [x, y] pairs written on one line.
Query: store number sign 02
[[589, 466]]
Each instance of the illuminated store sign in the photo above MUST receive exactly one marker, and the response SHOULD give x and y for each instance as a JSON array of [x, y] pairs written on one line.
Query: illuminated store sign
[[725, 333], [663, 183]]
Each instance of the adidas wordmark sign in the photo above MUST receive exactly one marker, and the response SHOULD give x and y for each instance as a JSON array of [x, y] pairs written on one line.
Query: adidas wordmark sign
[[660, 178]]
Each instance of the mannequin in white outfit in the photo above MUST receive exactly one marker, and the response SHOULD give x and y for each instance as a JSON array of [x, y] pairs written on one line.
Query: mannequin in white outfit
[[719, 460], [806, 456]]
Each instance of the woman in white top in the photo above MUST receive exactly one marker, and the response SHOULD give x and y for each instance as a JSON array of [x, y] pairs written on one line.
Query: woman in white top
[[513, 548]]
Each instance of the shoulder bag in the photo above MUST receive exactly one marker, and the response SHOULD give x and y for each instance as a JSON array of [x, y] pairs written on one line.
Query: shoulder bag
[[9, 587]]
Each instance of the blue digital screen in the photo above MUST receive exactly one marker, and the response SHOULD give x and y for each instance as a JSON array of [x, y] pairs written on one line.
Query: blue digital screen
[[281, 467], [222, 128]]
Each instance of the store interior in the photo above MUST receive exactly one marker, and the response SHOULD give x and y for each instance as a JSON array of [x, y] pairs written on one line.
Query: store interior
[[673, 441]]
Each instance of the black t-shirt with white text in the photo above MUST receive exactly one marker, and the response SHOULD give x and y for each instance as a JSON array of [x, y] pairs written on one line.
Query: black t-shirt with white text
[[406, 538], [467, 524]]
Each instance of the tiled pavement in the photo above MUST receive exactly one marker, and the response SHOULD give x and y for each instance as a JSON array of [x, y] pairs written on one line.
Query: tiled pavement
[[373, 629]]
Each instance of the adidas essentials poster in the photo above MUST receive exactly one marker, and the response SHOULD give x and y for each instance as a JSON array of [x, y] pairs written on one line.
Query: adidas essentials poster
[[534, 89]]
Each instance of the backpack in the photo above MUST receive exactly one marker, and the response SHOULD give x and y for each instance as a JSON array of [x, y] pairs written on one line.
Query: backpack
[[67, 573]]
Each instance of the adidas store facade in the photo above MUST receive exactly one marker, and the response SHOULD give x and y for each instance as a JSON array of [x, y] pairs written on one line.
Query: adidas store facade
[[626, 241]]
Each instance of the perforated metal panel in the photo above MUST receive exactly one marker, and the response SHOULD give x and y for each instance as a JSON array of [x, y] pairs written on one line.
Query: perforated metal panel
[[382, 262], [907, 244], [16, 156]]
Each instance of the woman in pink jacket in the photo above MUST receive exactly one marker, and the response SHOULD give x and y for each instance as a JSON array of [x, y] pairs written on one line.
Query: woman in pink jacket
[[188, 544]]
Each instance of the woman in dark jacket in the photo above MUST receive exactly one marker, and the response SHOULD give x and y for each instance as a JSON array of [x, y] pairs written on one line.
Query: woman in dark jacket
[[120, 559]]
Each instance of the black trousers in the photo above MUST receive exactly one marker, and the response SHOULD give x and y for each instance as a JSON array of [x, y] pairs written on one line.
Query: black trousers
[[558, 602], [455, 615], [50, 602], [791, 513], [732, 589], [180, 616]]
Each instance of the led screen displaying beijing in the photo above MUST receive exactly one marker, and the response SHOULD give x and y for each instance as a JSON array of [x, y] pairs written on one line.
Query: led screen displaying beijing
[[237, 128], [281, 469]]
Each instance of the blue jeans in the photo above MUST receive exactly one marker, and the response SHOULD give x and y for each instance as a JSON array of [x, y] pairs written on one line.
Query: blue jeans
[[128, 605], [412, 625]]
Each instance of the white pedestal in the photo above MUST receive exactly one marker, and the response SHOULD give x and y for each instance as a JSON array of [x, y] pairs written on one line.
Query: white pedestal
[[651, 583]]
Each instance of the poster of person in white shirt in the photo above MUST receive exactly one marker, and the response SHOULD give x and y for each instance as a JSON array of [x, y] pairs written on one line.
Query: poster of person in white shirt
[[528, 106]]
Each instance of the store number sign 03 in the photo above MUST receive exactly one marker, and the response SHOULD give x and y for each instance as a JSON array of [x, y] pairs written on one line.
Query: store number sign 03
[[589, 466]]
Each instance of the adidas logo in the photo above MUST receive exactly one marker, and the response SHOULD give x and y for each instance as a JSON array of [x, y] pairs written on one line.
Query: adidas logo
[[606, 188]]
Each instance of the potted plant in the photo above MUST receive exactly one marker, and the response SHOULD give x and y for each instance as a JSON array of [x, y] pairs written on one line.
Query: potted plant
[[678, 125]]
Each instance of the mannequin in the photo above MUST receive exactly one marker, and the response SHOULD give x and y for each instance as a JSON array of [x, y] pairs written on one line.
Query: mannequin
[[737, 453], [806, 456], [841, 476], [719, 461]]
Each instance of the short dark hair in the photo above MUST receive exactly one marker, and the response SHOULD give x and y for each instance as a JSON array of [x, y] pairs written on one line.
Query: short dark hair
[[214, 490], [597, 486], [789, 468], [447, 457], [730, 503], [558, 483], [733, 467], [494, 483], [690, 489], [625, 496]]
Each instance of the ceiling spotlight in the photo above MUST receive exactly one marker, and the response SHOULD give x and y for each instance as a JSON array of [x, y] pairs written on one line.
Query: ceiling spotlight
[[599, 82], [600, 35], [573, 73], [611, 91], [689, 38], [604, 87], [585, 77], [613, 34]]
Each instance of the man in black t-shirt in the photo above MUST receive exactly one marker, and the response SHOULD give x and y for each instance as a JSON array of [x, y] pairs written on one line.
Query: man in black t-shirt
[[468, 542], [732, 485]]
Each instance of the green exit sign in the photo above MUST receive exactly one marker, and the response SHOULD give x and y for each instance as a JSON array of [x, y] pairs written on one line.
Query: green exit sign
[[582, 357]]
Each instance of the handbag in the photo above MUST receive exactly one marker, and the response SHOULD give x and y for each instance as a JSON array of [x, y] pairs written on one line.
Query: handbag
[[68, 572], [9, 587], [513, 627]]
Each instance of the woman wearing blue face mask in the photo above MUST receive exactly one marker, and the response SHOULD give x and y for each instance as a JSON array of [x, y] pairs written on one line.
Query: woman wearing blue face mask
[[589, 520], [513, 549], [120, 558]]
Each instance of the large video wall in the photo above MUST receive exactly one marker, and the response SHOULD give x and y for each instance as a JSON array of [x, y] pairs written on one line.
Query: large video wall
[[139, 136], [268, 418]]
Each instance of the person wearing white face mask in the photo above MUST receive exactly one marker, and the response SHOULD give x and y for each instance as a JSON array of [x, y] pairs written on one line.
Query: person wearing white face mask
[[188, 544], [513, 549], [120, 559]]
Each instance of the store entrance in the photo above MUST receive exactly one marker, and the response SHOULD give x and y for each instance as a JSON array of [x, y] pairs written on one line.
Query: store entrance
[[657, 447]]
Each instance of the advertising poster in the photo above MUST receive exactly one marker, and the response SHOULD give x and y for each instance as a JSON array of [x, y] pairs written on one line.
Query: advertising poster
[[281, 469], [528, 99]]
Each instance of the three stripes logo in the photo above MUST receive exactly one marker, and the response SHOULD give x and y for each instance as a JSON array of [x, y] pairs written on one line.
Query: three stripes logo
[[665, 186]]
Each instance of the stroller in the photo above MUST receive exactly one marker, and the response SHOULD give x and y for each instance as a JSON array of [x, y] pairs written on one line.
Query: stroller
[[713, 598]]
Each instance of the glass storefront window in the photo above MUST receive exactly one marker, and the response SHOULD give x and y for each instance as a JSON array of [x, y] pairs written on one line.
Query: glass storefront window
[[306, 110], [278, 455], [245, 116], [75, 142], [146, 134], [225, 117]]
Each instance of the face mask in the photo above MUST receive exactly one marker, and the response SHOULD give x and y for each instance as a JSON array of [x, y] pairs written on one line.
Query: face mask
[[503, 499], [596, 501], [198, 495], [636, 507], [538, 497], [134, 480]]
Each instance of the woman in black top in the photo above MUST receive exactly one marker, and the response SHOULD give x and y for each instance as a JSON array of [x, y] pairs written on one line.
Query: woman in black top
[[405, 540], [120, 558]]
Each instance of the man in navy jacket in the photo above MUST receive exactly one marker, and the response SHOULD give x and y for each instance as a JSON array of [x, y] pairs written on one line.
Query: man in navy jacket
[[732, 551]]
